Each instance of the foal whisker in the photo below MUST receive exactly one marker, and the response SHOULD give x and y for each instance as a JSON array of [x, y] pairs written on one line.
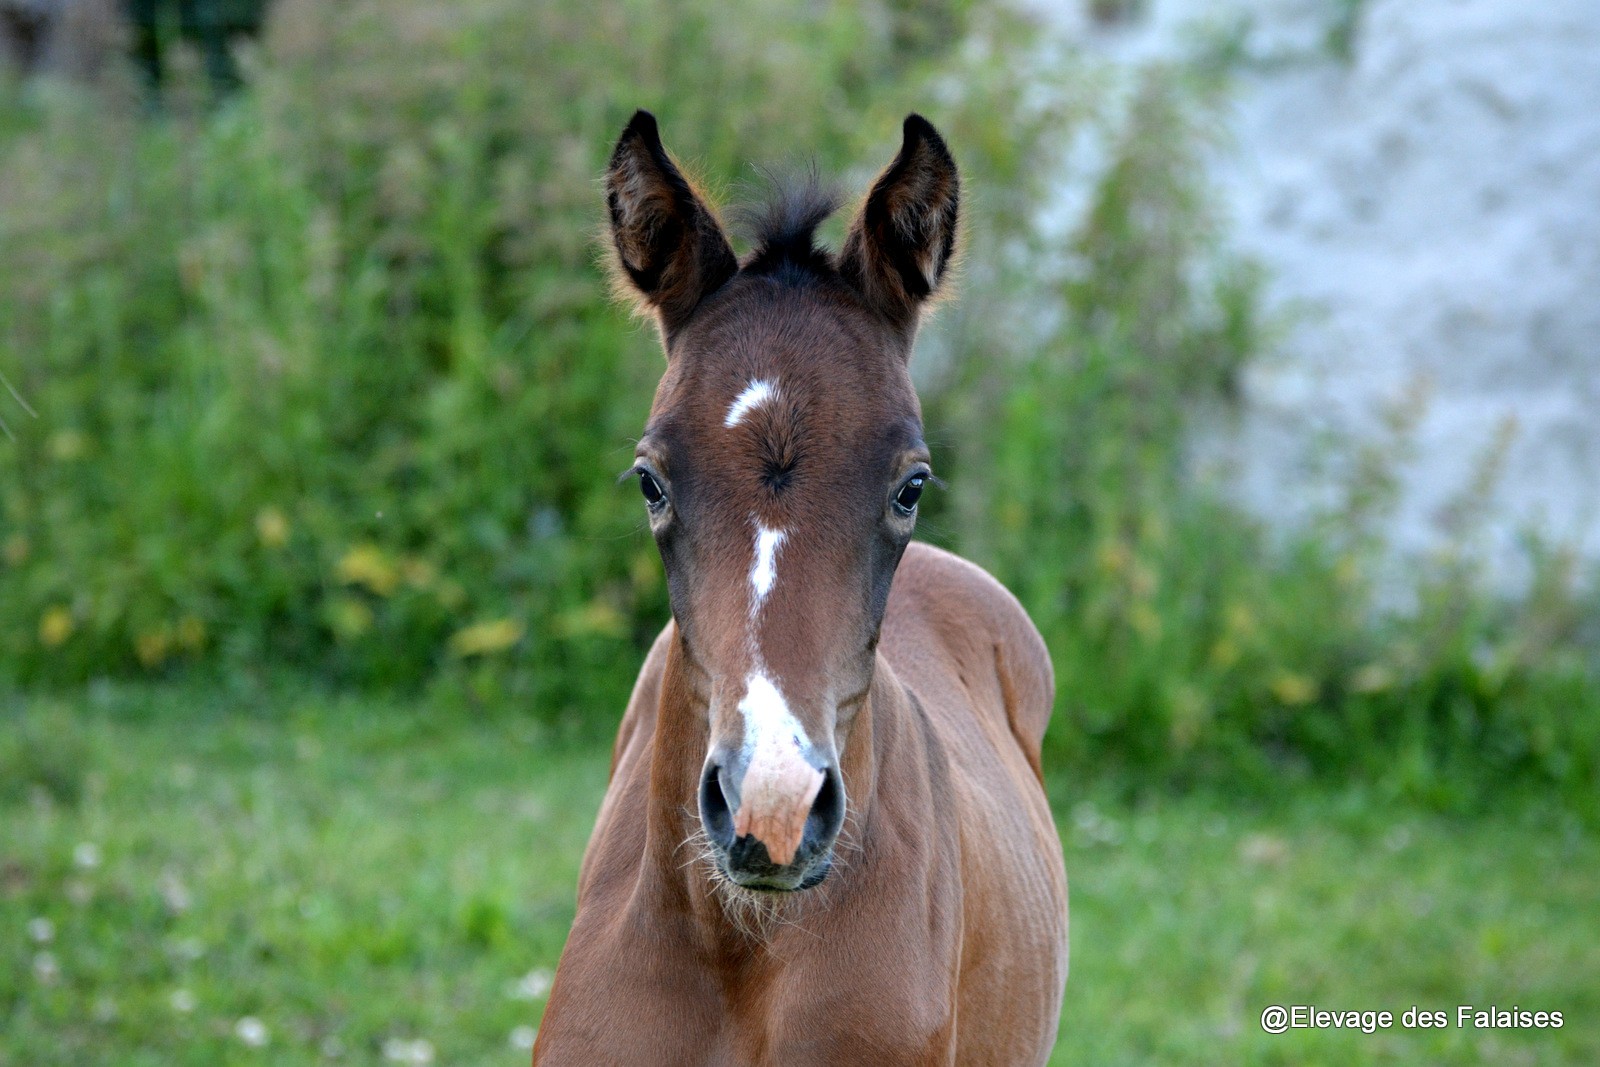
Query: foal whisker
[[756, 916]]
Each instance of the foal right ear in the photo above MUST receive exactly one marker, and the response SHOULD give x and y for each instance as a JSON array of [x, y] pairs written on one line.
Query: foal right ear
[[669, 245]]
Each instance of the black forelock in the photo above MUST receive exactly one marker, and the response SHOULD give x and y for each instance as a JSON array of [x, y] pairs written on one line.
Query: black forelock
[[782, 228]]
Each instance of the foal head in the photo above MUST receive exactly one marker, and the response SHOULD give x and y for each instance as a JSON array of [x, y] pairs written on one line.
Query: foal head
[[781, 468]]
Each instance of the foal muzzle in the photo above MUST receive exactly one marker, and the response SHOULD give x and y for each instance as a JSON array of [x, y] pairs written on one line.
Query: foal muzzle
[[772, 824]]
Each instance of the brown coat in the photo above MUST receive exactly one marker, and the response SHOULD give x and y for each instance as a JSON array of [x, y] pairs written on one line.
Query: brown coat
[[949, 910]]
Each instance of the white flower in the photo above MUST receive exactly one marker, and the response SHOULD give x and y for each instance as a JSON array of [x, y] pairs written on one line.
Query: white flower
[[1095, 828], [399, 1050], [46, 969], [86, 855], [182, 1001], [42, 930], [251, 1031], [531, 986], [522, 1038], [174, 892], [186, 949]]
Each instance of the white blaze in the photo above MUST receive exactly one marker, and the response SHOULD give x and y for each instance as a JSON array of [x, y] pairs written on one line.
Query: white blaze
[[755, 394], [764, 570], [768, 723], [770, 729], [779, 784]]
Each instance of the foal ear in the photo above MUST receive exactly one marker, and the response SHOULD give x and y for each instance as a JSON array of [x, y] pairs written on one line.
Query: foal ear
[[901, 242], [670, 247]]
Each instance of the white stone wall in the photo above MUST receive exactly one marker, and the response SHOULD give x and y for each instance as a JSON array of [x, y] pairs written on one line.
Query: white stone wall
[[1429, 215]]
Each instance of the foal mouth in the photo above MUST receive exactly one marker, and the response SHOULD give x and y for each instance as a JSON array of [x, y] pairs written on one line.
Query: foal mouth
[[747, 865]]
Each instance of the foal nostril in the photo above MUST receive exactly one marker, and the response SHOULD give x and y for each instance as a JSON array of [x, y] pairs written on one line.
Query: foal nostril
[[715, 813], [827, 813]]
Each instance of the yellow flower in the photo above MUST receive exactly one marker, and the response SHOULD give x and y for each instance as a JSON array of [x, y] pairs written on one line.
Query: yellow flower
[[1293, 689], [1373, 678], [1142, 580], [191, 633], [272, 528], [1239, 619], [55, 627], [1113, 557], [485, 638], [644, 571], [1189, 715], [450, 595], [366, 564], [418, 572], [595, 619], [349, 617], [68, 445], [152, 646], [1145, 622]]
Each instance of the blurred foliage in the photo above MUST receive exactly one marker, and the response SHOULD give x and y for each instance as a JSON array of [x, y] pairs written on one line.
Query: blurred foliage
[[1344, 28], [1190, 642], [326, 376]]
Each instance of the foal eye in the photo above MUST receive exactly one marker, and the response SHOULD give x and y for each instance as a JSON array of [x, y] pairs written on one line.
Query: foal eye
[[906, 499], [654, 495]]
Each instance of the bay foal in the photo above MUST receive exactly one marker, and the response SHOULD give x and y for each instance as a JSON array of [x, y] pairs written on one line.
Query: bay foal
[[825, 840]]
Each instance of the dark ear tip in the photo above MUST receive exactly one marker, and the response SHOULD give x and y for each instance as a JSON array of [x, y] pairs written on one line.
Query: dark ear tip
[[643, 124], [918, 130]]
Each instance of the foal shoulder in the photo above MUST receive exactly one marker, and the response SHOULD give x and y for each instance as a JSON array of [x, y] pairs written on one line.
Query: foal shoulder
[[980, 628], [639, 720], [625, 794]]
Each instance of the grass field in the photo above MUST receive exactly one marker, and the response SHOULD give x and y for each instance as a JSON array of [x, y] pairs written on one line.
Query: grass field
[[204, 876]]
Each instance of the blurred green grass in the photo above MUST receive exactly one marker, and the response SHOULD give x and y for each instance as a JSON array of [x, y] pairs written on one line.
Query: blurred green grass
[[346, 872], [358, 876]]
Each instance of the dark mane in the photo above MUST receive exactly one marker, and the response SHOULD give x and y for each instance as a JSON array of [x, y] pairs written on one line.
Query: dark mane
[[782, 228]]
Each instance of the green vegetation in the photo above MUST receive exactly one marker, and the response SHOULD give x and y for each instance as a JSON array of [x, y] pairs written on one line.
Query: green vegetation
[[1343, 29], [327, 376], [357, 876]]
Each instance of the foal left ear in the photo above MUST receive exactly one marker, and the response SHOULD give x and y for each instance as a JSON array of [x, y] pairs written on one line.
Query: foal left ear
[[900, 244]]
